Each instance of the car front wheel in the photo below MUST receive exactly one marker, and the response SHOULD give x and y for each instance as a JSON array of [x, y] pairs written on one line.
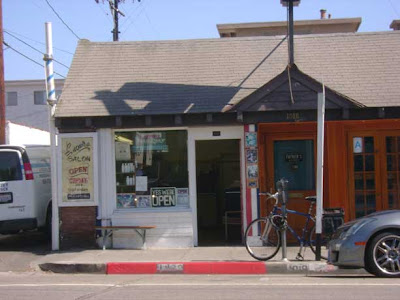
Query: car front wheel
[[383, 255]]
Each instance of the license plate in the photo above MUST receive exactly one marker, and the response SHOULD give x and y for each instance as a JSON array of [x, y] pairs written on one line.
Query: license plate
[[6, 198]]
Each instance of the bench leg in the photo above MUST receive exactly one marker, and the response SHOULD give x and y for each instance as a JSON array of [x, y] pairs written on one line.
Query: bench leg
[[143, 236]]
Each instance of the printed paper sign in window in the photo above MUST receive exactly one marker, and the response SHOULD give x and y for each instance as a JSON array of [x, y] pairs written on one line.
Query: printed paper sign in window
[[77, 169]]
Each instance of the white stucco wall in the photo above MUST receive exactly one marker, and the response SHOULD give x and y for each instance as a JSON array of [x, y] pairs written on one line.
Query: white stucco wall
[[22, 135], [26, 112]]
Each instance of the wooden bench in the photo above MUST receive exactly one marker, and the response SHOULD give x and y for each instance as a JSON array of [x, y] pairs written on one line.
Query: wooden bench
[[107, 231]]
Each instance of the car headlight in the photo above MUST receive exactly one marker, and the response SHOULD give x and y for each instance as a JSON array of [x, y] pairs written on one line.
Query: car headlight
[[353, 229]]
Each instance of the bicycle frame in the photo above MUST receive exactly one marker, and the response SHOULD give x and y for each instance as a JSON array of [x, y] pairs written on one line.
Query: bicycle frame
[[303, 238]]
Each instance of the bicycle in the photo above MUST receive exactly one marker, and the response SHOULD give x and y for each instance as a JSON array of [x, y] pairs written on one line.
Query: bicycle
[[263, 239]]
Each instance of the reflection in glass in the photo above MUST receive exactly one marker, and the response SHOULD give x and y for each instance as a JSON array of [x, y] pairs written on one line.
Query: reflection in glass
[[358, 163], [294, 160], [370, 181], [359, 205], [391, 200], [369, 163], [359, 181], [390, 144], [369, 144], [390, 162], [391, 181]]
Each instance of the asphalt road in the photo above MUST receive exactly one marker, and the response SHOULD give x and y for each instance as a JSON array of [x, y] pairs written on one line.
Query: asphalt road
[[19, 250], [52, 286]]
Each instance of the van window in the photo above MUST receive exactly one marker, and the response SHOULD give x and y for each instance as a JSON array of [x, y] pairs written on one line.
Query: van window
[[10, 167]]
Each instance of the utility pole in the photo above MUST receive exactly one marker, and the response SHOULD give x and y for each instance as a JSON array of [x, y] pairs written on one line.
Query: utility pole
[[2, 89], [115, 12]]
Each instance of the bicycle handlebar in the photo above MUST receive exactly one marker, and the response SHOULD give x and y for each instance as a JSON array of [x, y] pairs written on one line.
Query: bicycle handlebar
[[269, 196]]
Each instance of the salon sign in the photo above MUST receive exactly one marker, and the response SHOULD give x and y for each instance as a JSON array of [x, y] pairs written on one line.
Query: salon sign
[[77, 170]]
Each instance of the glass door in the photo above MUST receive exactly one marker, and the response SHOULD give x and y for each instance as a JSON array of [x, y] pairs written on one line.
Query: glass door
[[364, 168], [374, 172], [392, 174]]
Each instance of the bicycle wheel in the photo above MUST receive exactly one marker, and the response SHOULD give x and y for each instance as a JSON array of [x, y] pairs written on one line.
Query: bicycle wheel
[[324, 243], [262, 239]]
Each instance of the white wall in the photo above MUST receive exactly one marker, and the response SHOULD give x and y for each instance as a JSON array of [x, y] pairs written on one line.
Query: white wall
[[22, 135], [26, 112]]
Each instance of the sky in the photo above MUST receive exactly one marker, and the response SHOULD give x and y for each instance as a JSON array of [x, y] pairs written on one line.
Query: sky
[[24, 29]]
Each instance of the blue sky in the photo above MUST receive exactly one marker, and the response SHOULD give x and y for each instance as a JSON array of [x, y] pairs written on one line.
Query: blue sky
[[155, 20]]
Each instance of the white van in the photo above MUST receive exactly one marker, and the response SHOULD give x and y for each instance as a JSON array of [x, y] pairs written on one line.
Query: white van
[[25, 188]]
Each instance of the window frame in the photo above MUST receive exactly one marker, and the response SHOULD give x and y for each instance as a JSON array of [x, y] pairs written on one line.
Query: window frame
[[176, 208], [44, 97], [7, 98]]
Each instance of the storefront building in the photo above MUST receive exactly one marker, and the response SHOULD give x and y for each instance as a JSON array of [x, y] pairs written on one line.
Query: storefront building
[[183, 135]]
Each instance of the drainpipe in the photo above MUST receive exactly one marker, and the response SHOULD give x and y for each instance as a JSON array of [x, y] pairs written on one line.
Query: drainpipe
[[51, 101]]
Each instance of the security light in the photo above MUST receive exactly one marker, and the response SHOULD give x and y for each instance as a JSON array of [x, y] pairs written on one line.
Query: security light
[[286, 2]]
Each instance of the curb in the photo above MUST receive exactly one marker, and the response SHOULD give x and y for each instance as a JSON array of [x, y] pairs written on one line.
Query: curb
[[72, 268], [202, 267], [205, 267]]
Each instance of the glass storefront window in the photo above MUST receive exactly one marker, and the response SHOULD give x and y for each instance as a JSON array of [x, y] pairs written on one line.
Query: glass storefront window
[[151, 169]]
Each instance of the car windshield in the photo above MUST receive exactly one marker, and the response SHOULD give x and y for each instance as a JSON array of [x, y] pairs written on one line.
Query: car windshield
[[10, 167]]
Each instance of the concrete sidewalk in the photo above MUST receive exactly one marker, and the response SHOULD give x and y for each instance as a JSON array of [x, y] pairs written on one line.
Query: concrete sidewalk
[[198, 260]]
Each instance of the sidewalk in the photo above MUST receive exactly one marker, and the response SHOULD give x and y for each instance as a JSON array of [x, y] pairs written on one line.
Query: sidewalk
[[198, 260]]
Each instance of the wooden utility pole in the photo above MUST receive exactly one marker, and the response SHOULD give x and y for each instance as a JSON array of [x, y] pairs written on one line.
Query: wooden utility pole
[[2, 89]]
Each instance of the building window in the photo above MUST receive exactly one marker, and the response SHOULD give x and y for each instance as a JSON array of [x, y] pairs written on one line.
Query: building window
[[151, 169], [39, 97], [12, 99]]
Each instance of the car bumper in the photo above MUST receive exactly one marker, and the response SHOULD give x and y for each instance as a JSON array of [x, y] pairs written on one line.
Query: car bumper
[[345, 253]]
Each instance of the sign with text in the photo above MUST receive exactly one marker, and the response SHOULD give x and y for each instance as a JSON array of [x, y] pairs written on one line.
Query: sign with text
[[163, 196], [77, 169]]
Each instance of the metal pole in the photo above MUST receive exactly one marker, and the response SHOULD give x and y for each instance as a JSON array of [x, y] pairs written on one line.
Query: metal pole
[[320, 171], [51, 100], [291, 33], [2, 88], [282, 192]]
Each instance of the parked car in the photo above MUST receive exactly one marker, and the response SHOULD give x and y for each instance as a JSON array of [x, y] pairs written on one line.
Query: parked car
[[25, 188], [371, 242]]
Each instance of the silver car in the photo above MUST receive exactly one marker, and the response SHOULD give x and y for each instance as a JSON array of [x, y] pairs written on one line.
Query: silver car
[[371, 242]]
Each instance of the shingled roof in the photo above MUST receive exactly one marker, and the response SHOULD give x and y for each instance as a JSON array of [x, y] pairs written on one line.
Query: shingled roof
[[209, 75]]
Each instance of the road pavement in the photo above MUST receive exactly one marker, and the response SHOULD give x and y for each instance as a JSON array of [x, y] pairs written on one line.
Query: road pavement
[[62, 286]]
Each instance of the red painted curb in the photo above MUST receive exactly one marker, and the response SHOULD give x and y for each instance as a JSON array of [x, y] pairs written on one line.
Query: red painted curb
[[205, 267]]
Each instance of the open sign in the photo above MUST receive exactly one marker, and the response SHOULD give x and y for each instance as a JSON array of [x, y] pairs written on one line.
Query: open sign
[[163, 196]]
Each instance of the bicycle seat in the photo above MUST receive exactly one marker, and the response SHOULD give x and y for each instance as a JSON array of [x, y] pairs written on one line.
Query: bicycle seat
[[311, 198]]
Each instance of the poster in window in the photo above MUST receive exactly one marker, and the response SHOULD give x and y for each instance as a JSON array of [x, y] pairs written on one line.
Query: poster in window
[[77, 169], [126, 200], [182, 196], [122, 151], [143, 201]]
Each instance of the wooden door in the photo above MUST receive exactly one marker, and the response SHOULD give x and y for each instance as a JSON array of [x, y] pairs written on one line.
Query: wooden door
[[292, 156], [374, 173]]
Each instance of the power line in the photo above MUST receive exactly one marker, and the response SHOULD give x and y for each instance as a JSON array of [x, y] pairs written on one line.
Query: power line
[[27, 57], [27, 38], [394, 8], [37, 50], [62, 20], [133, 21]]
